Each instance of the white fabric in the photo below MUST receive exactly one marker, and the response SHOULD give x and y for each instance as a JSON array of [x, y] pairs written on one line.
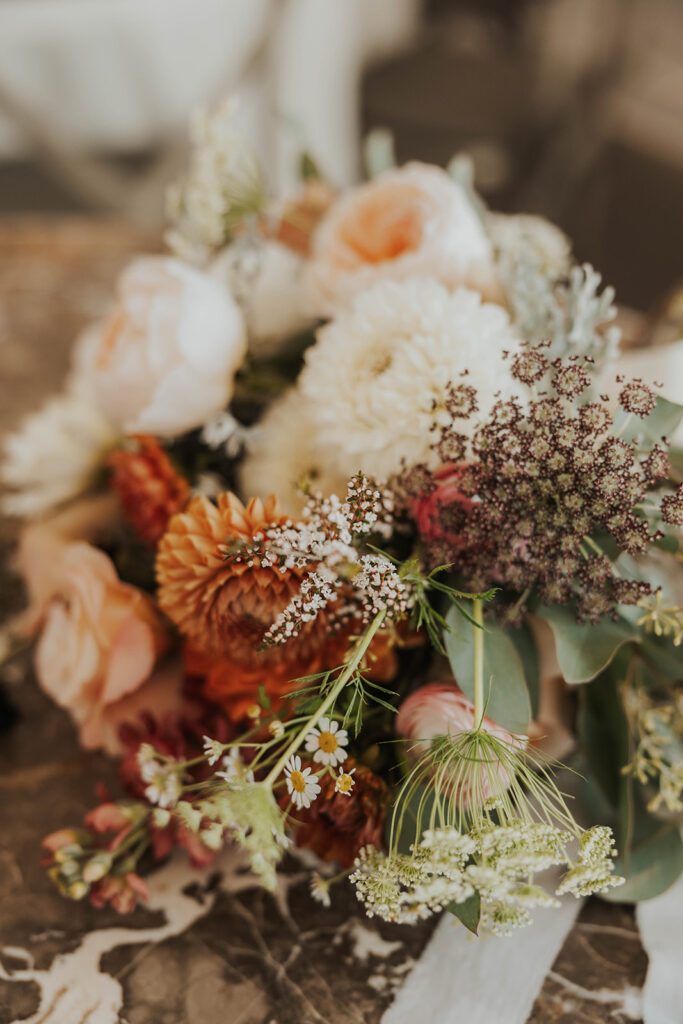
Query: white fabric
[[482, 981], [660, 922], [122, 74]]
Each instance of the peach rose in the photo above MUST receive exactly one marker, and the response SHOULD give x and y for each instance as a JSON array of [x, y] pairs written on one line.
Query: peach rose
[[99, 639], [164, 360], [415, 221]]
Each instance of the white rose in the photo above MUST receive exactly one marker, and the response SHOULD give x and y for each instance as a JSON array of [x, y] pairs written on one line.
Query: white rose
[[265, 278], [164, 360], [414, 221]]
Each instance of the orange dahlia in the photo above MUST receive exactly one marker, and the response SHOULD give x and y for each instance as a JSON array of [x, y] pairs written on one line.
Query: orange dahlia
[[225, 607], [150, 489], [336, 826]]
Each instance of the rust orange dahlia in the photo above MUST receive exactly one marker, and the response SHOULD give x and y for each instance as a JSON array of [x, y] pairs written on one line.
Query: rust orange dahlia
[[150, 489], [223, 607], [336, 826]]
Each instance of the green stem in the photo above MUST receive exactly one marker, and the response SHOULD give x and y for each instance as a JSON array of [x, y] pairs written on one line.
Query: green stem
[[328, 702], [478, 616]]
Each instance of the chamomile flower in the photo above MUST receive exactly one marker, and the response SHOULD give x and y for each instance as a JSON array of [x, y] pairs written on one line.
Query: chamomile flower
[[326, 742], [344, 782], [302, 787]]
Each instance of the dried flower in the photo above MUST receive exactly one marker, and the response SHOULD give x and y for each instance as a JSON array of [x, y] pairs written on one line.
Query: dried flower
[[338, 824], [150, 489], [537, 482], [224, 599]]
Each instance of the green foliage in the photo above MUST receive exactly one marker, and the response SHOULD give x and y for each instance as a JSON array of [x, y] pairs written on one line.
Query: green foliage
[[427, 591], [583, 649], [468, 912], [651, 852], [308, 168], [652, 867], [508, 701]]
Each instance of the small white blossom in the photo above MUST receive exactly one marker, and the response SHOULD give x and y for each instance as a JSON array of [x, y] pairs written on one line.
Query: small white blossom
[[224, 431], [320, 889], [234, 768], [213, 750]]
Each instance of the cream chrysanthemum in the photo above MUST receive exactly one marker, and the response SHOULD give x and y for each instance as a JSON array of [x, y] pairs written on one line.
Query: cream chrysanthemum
[[54, 455], [376, 381], [283, 457]]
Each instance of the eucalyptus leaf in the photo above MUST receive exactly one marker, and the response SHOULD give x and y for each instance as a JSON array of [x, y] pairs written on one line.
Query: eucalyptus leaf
[[407, 818], [468, 912], [583, 650], [508, 701], [523, 639], [652, 868]]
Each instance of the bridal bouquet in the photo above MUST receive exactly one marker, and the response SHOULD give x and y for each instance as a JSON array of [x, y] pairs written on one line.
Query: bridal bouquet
[[344, 528]]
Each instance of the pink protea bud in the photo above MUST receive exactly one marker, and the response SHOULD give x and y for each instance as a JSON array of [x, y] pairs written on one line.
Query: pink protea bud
[[442, 709], [434, 507]]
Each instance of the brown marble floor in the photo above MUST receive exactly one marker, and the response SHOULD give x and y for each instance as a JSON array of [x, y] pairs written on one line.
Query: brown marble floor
[[229, 953]]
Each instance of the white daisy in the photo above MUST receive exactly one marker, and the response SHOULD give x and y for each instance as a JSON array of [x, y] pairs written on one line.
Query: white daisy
[[302, 787], [326, 741], [376, 381], [345, 782]]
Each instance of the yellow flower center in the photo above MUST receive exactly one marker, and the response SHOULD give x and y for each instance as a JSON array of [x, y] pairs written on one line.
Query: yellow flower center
[[327, 742], [344, 783], [298, 781]]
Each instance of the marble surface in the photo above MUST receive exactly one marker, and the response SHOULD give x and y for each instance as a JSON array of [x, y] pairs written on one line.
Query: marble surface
[[211, 947]]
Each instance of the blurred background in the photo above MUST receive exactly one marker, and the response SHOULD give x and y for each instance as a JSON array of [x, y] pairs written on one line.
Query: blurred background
[[569, 108]]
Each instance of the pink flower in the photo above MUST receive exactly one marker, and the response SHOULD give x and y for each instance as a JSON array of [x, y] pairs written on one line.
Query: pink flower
[[414, 221], [99, 638], [62, 837], [124, 892], [444, 500], [107, 817], [442, 709]]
